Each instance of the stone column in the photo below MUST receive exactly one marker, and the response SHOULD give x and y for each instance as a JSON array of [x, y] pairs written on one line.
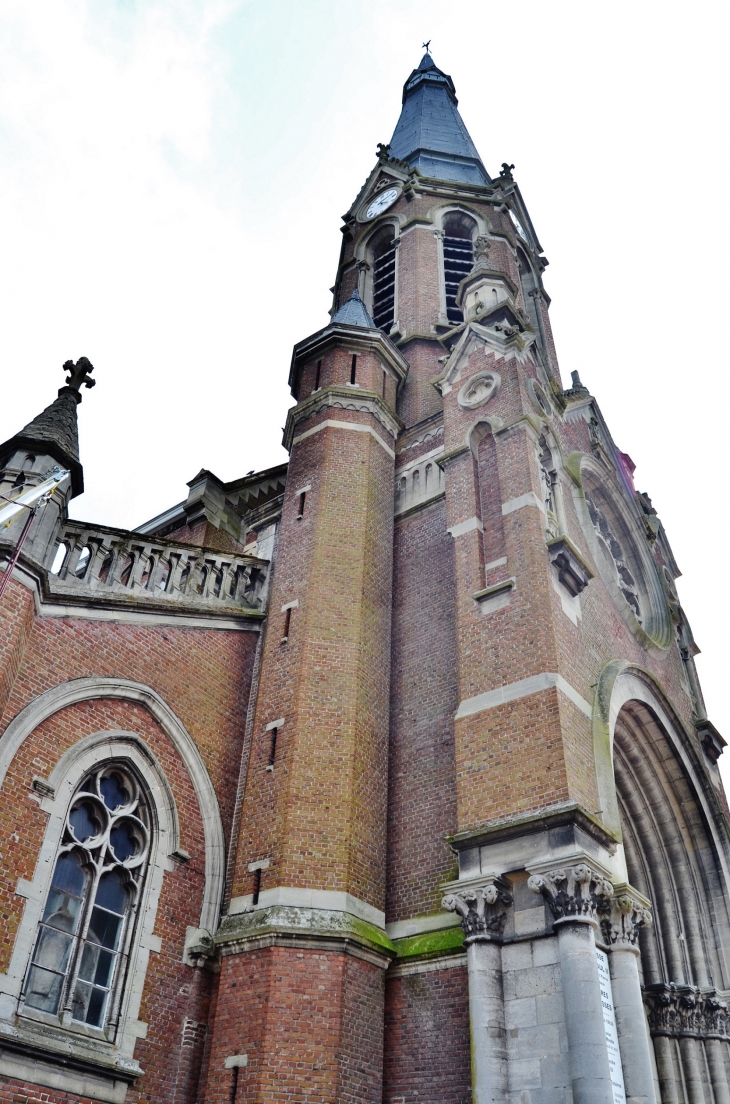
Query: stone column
[[716, 1061], [483, 911], [620, 927], [573, 895]]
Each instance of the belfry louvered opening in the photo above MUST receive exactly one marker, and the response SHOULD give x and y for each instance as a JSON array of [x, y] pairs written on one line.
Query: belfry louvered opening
[[384, 254], [458, 249]]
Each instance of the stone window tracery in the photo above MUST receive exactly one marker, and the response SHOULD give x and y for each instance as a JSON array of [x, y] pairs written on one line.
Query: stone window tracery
[[615, 555], [615, 532], [77, 967]]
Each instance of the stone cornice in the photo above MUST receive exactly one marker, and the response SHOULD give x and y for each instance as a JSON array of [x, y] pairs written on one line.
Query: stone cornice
[[52, 599], [341, 398], [352, 337], [290, 925], [528, 823]]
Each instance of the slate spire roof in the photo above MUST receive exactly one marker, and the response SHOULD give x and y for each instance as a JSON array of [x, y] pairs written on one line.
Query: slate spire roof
[[55, 432], [354, 313], [430, 134]]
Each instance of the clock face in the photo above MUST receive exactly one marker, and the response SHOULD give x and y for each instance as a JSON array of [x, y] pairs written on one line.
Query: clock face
[[381, 202]]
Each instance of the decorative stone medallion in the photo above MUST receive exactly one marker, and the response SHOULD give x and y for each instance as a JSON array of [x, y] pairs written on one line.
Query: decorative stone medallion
[[479, 389], [540, 399]]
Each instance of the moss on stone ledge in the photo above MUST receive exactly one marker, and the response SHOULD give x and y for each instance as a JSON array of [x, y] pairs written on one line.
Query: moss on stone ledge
[[429, 943]]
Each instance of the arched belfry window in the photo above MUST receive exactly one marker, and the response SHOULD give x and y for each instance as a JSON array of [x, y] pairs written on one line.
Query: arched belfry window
[[528, 284], [458, 247], [383, 251], [79, 956]]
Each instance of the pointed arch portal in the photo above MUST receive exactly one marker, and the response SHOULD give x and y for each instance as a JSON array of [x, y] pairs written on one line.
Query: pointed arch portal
[[661, 799]]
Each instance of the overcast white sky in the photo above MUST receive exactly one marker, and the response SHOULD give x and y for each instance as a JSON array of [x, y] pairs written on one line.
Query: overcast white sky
[[173, 174]]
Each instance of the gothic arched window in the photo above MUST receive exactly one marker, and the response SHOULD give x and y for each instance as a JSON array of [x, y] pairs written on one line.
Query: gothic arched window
[[458, 246], [78, 963], [528, 284]]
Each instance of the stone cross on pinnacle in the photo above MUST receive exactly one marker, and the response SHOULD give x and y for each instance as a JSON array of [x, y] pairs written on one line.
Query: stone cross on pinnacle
[[79, 374]]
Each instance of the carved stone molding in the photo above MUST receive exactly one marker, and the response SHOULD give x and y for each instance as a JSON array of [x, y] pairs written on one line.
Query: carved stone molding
[[627, 913], [573, 892], [479, 389], [686, 1011], [339, 398], [573, 571], [483, 910]]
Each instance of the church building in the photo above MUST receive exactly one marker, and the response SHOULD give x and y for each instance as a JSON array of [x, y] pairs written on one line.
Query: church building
[[382, 776]]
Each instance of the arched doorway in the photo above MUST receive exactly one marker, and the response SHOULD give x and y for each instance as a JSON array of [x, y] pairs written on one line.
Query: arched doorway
[[672, 858]]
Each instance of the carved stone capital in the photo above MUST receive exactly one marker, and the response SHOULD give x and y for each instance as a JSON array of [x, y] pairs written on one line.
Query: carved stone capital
[[483, 910], [573, 892], [623, 918], [684, 1010]]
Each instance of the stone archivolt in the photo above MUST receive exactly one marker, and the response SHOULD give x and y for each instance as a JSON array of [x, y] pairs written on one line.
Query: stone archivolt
[[686, 1011], [573, 892], [483, 910]]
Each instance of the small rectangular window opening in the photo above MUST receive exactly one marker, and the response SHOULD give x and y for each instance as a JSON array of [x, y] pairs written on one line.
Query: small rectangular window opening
[[385, 380], [272, 746], [353, 368], [234, 1079], [287, 625], [317, 375], [302, 498], [256, 886]]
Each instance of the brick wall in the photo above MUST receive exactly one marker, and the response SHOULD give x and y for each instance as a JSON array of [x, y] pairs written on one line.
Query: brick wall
[[204, 678], [309, 1022], [427, 1050], [422, 791]]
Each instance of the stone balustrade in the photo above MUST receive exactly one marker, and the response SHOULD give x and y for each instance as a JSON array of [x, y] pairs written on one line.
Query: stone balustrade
[[88, 562]]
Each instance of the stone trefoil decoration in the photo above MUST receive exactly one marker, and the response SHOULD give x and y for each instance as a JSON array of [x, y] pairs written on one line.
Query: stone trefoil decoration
[[483, 910], [615, 553], [573, 893], [479, 389], [625, 917], [685, 1010]]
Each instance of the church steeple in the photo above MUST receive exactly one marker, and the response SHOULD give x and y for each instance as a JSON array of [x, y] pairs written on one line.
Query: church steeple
[[54, 432], [430, 134]]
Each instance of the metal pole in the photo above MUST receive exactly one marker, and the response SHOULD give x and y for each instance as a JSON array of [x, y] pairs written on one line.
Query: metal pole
[[10, 567]]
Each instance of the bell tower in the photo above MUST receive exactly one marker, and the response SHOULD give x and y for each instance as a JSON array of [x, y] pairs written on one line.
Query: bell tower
[[474, 660]]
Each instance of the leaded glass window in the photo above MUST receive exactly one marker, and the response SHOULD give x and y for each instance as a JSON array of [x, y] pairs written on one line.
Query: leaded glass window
[[78, 959]]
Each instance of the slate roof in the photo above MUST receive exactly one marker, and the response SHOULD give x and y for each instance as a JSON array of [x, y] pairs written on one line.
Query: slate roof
[[54, 432], [430, 134], [354, 313], [57, 424]]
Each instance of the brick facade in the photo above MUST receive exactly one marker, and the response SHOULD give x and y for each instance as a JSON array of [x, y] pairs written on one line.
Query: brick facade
[[416, 717]]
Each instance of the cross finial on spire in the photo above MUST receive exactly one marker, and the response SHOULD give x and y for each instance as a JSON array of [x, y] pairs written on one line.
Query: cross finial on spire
[[79, 375], [426, 45]]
